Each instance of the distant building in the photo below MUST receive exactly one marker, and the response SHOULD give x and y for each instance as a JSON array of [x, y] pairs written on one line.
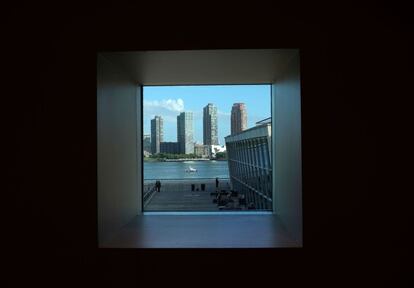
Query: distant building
[[264, 121], [202, 150], [147, 143], [210, 128], [238, 118], [213, 149], [169, 147], [157, 134], [185, 132], [250, 164]]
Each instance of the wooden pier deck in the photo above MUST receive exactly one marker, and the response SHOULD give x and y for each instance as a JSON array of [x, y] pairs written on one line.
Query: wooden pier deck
[[186, 195]]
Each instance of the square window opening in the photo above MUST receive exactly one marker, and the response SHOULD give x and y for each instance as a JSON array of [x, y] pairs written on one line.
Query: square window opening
[[207, 148]]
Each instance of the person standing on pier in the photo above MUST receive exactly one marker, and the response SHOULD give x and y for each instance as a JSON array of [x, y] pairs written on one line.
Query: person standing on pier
[[217, 183], [158, 185]]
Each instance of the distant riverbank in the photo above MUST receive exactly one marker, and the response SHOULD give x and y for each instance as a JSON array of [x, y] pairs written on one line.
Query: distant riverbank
[[147, 159]]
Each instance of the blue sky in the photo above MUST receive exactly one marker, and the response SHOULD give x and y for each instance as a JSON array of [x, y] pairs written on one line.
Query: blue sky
[[169, 101]]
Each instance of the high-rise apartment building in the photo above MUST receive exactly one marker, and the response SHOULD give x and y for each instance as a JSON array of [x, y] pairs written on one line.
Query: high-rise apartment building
[[185, 132], [157, 134], [238, 118], [210, 130], [147, 143]]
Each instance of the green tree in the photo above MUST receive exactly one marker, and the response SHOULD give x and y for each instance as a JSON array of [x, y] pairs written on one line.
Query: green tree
[[221, 155]]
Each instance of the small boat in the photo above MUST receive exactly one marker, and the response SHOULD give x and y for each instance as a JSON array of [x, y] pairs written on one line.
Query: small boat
[[190, 169]]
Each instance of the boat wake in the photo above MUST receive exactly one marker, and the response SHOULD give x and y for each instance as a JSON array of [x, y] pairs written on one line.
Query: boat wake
[[190, 169]]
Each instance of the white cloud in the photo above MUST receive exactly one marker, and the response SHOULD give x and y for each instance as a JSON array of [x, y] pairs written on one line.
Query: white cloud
[[168, 109], [168, 104]]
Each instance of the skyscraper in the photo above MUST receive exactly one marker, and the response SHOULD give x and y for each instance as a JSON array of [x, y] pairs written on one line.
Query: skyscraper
[[238, 118], [185, 132], [210, 135], [157, 134], [147, 143]]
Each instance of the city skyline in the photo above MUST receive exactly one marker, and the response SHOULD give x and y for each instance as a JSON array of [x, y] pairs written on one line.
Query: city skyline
[[170, 101]]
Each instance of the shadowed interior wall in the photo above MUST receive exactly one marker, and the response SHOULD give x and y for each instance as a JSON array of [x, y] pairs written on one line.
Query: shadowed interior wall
[[287, 172], [118, 174], [119, 127]]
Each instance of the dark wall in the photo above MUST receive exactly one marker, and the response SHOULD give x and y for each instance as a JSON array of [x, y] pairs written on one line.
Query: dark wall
[[351, 58]]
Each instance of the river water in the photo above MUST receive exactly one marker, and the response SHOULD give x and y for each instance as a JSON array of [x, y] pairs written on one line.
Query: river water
[[177, 170]]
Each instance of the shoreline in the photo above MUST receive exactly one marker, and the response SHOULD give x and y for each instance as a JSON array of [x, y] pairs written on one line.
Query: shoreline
[[178, 180], [181, 160]]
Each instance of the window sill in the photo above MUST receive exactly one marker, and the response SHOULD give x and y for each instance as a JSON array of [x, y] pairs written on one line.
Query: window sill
[[203, 231]]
